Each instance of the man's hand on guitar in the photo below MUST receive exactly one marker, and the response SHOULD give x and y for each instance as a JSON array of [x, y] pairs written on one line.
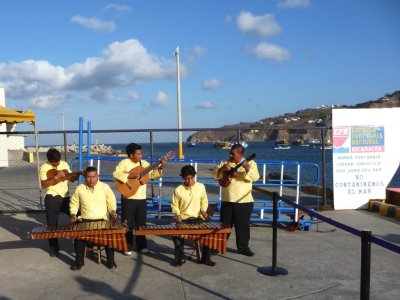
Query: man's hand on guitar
[[134, 175], [178, 218], [246, 166]]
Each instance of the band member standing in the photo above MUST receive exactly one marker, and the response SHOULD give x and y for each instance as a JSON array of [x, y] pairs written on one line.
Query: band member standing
[[134, 208], [56, 199], [237, 199], [189, 205], [95, 200]]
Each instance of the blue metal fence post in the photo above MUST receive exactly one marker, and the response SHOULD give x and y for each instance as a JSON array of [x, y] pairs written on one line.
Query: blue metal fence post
[[274, 270], [365, 264], [80, 161]]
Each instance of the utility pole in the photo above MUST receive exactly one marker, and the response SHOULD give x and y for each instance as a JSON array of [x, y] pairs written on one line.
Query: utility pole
[[178, 88]]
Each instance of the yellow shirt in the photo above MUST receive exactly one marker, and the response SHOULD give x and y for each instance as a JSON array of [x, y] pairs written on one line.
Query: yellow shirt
[[239, 190], [188, 203], [60, 188], [95, 203], [122, 171]]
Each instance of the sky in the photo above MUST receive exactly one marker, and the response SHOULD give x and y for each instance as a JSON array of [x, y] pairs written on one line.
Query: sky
[[114, 63]]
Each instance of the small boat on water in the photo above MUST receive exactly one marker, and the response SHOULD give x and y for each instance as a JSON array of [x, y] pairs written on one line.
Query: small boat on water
[[281, 145], [300, 143], [222, 145], [191, 144]]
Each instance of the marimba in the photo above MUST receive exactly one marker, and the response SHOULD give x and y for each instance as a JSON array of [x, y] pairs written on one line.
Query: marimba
[[104, 233], [211, 234]]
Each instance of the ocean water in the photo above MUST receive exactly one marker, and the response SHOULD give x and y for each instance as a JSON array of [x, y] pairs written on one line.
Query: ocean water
[[264, 150]]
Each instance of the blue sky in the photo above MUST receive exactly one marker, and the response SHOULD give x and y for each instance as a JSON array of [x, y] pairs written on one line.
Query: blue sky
[[112, 62]]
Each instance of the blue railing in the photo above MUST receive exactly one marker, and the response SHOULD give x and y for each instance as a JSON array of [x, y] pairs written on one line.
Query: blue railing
[[160, 207]]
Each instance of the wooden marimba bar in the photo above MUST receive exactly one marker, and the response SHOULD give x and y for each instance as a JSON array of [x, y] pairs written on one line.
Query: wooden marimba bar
[[104, 233], [211, 234]]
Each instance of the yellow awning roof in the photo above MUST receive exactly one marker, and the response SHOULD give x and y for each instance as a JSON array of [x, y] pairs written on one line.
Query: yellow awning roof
[[8, 115]]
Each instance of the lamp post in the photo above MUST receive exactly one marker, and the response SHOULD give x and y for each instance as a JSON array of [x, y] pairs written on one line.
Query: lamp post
[[178, 88], [62, 119]]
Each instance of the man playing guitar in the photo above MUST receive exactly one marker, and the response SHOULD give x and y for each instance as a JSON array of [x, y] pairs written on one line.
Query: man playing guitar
[[54, 176], [134, 207]]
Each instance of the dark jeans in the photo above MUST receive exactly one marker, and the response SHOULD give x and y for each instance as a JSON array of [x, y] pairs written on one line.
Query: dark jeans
[[238, 215], [135, 213], [180, 242], [54, 205]]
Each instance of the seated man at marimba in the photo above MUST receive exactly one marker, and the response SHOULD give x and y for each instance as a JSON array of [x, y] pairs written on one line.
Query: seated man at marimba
[[189, 204], [95, 200]]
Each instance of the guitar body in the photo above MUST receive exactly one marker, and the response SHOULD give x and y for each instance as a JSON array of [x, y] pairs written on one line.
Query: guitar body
[[130, 188], [227, 176], [53, 172], [226, 179]]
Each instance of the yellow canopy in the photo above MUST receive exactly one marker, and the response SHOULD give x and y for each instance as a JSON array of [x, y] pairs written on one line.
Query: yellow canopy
[[8, 115]]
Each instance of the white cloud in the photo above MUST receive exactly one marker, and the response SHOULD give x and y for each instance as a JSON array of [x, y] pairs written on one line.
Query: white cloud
[[206, 105], [118, 8], [269, 52], [122, 64], [132, 96], [161, 100], [46, 101], [94, 23], [294, 3], [211, 84], [260, 26]]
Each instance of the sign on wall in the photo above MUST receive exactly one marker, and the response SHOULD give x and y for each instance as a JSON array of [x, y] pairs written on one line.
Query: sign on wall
[[366, 154]]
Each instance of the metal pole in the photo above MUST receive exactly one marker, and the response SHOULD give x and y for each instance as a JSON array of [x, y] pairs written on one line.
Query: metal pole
[[80, 161], [65, 145], [323, 164], [365, 264], [274, 270], [178, 90], [151, 155]]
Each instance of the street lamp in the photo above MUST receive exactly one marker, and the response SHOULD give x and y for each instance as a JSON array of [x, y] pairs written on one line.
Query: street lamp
[[178, 88]]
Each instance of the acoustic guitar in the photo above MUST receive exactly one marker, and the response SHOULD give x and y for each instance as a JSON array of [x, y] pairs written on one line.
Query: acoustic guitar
[[129, 188], [53, 172], [227, 176]]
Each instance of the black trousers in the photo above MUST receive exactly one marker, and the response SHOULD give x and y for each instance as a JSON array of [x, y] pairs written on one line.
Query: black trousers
[[54, 205], [180, 242], [238, 215], [80, 252], [135, 213]]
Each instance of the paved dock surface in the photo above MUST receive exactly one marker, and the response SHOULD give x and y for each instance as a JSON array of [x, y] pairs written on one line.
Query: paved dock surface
[[323, 263]]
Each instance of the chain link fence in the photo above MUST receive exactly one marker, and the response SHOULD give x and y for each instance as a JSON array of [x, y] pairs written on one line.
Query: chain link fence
[[20, 187]]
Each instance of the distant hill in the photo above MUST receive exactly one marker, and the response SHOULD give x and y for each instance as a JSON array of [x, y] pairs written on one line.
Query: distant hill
[[303, 124]]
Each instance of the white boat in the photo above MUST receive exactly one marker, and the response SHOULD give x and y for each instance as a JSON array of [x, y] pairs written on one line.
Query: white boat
[[281, 145], [191, 144]]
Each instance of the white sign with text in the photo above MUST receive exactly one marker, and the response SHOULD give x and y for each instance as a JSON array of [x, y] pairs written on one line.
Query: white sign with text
[[366, 154]]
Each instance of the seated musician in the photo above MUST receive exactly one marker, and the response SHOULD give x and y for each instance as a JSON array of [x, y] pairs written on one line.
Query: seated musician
[[189, 204], [53, 176], [94, 199]]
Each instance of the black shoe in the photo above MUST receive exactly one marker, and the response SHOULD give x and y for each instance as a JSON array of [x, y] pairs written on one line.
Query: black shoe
[[76, 267], [208, 262], [53, 253], [179, 262], [111, 265], [247, 252]]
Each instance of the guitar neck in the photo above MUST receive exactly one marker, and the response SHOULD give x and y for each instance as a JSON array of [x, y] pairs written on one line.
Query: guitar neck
[[150, 168]]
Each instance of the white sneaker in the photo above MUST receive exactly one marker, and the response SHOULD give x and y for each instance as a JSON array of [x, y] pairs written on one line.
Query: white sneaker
[[144, 251], [128, 253]]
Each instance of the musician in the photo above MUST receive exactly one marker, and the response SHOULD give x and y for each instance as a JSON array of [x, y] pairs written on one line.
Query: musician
[[57, 198], [189, 205], [134, 208], [95, 200], [237, 199]]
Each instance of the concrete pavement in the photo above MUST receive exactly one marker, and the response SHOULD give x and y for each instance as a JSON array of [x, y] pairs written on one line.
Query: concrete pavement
[[323, 263]]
